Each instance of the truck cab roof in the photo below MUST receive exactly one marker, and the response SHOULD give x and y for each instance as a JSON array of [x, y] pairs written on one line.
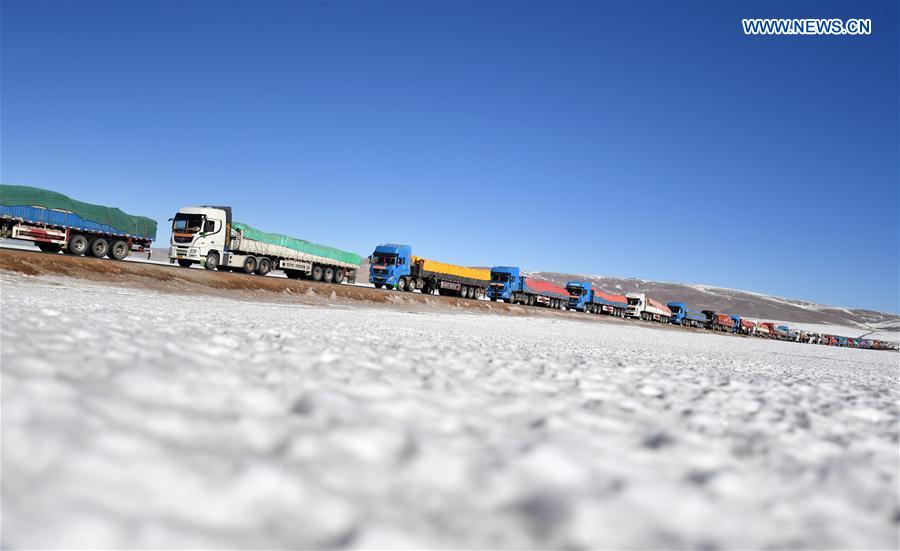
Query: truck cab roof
[[506, 269], [393, 248]]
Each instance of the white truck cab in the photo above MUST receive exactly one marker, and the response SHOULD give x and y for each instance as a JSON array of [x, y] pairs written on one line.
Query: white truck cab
[[199, 233], [636, 304]]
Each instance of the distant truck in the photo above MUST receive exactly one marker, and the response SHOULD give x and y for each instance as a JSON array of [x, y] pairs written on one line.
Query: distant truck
[[682, 315], [745, 326], [54, 222], [208, 236], [718, 322], [508, 284], [639, 306], [394, 266], [584, 298]]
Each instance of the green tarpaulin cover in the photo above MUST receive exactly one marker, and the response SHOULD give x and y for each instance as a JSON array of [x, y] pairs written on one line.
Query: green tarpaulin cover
[[26, 196], [298, 245]]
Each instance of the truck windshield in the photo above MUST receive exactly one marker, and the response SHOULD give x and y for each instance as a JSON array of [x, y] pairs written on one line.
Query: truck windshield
[[633, 301], [386, 260], [189, 223], [499, 276], [674, 309], [577, 291]]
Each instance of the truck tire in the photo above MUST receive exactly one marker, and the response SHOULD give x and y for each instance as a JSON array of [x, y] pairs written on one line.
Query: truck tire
[[184, 263], [339, 276], [530, 300], [99, 247], [378, 285], [493, 299], [264, 266], [250, 264], [118, 250], [411, 285], [212, 260], [316, 272], [49, 247], [328, 274], [78, 244], [401, 284]]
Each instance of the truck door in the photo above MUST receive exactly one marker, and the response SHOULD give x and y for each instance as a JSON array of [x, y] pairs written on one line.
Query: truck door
[[211, 236]]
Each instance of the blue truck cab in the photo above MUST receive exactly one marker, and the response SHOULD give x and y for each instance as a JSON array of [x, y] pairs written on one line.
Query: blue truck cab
[[388, 264], [505, 280], [682, 315], [581, 293], [737, 324]]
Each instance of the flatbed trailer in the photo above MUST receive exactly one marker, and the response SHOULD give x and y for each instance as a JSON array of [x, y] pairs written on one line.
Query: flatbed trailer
[[393, 266], [56, 223]]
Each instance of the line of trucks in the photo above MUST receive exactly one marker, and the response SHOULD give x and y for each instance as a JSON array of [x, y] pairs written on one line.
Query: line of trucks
[[209, 237]]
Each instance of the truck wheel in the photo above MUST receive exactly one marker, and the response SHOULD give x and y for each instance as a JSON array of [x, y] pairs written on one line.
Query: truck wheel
[[212, 260], [493, 299], [316, 272], [328, 274], [264, 266], [49, 247], [411, 285], [378, 285], [530, 300], [250, 264], [339, 276], [401, 284], [78, 245], [99, 247], [118, 250], [184, 263]]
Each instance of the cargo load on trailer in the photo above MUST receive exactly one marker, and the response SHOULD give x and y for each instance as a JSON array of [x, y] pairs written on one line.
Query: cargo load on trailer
[[394, 266], [208, 236], [508, 284], [612, 304], [56, 222]]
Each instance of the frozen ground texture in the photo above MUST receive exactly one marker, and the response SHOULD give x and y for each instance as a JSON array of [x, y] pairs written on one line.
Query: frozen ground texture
[[136, 418]]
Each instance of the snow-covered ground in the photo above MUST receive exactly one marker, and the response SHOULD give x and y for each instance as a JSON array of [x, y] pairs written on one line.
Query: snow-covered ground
[[134, 418]]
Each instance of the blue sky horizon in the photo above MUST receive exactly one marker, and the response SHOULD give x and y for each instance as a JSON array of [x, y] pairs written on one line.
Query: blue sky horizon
[[651, 140]]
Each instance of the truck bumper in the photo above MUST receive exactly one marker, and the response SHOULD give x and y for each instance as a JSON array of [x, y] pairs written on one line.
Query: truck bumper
[[184, 253]]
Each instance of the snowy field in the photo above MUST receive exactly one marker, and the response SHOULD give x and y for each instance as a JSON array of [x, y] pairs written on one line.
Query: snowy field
[[133, 418]]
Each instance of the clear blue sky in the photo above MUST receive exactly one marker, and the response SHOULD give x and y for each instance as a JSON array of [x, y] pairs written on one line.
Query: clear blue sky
[[650, 140]]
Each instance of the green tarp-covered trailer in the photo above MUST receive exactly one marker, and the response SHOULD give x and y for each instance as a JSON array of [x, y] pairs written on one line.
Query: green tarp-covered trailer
[[42, 206], [250, 240]]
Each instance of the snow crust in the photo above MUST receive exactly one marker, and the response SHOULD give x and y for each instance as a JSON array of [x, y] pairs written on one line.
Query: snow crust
[[134, 418]]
